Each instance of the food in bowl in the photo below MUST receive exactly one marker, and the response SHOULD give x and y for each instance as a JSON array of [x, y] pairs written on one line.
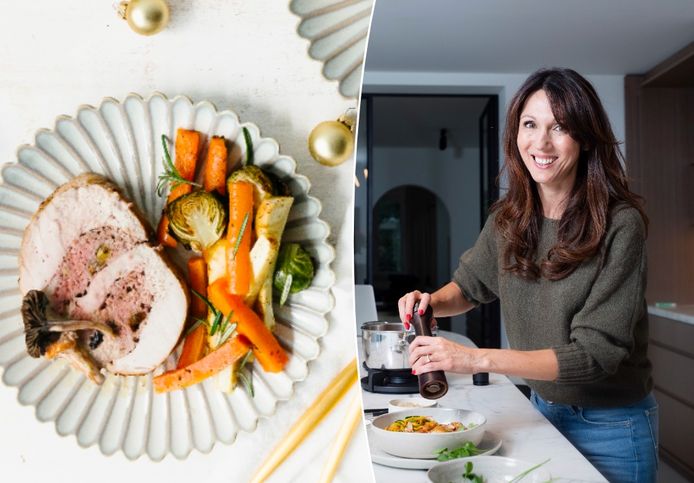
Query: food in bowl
[[427, 445], [424, 424]]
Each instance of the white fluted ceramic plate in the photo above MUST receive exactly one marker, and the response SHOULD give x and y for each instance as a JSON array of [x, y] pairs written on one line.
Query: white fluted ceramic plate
[[337, 30], [121, 140]]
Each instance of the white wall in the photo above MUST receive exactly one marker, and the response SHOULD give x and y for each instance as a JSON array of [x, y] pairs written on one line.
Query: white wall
[[452, 176]]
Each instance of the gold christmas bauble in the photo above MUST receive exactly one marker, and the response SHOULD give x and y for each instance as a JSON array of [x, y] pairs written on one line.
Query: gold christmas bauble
[[331, 143], [146, 17]]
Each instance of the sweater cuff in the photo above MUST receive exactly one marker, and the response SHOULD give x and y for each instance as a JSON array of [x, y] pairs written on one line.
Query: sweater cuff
[[576, 365]]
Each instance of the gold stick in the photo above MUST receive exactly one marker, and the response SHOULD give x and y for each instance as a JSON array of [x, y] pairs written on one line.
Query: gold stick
[[337, 452], [308, 421]]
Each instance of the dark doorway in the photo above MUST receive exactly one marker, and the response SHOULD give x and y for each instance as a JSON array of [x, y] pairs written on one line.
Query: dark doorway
[[408, 223], [419, 156]]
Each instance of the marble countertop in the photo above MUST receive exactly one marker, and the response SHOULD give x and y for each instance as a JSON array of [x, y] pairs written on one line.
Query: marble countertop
[[526, 434], [681, 313], [240, 55]]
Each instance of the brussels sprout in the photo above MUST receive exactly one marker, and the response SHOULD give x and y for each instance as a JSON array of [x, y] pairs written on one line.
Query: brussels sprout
[[294, 270], [262, 185], [197, 219]]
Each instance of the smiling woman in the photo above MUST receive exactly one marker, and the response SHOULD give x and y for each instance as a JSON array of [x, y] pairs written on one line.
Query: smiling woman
[[564, 252]]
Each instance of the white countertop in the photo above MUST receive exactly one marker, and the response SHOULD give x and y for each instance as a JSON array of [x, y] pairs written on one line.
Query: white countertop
[[526, 434], [241, 55], [681, 313]]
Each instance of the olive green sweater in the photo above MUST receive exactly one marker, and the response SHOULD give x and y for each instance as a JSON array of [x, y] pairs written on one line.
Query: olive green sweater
[[595, 319]]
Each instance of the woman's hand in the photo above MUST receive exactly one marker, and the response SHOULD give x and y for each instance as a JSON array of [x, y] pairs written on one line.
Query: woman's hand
[[438, 354], [406, 306]]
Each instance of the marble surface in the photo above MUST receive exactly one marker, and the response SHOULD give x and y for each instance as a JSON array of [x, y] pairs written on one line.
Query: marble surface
[[245, 56], [525, 433], [681, 313]]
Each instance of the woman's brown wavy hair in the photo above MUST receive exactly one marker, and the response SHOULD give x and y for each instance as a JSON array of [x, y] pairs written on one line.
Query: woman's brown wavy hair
[[600, 180]]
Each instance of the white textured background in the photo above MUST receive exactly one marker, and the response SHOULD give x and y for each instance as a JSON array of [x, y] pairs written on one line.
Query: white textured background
[[241, 55]]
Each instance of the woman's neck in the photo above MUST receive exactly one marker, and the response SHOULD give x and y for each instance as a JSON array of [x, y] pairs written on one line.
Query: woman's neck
[[553, 201]]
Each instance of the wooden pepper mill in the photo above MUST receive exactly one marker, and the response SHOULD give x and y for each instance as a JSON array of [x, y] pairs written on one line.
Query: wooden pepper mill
[[432, 385]]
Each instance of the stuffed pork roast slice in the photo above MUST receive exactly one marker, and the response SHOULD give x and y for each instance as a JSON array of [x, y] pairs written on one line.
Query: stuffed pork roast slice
[[86, 251], [75, 210]]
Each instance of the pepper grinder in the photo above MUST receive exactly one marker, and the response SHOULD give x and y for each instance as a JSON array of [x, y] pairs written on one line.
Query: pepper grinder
[[432, 385]]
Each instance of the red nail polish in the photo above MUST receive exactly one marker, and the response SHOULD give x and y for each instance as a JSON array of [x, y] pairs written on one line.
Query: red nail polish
[[414, 372], [408, 317], [421, 312], [407, 326]]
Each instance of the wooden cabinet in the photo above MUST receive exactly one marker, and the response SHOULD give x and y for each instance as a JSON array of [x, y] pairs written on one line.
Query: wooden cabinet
[[659, 108], [671, 350]]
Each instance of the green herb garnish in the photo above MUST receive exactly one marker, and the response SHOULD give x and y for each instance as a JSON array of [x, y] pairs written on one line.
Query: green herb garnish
[[527, 472], [470, 476], [171, 174], [220, 323], [241, 232], [195, 325], [247, 380], [249, 147], [468, 449]]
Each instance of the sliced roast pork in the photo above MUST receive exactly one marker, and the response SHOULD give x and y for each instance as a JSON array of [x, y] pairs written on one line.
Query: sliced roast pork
[[87, 250]]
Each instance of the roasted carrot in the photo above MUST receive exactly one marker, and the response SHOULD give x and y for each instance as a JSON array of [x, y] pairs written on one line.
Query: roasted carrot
[[197, 278], [163, 235], [266, 348], [194, 344], [187, 149], [178, 191], [228, 353], [239, 236], [216, 166]]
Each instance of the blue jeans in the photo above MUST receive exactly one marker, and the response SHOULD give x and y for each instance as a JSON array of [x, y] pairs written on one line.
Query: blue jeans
[[622, 443]]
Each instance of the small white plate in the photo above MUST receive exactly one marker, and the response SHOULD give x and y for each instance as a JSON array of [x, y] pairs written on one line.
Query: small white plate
[[490, 444], [493, 469]]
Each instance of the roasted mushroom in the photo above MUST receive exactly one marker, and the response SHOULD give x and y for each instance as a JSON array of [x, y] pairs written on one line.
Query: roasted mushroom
[[48, 334]]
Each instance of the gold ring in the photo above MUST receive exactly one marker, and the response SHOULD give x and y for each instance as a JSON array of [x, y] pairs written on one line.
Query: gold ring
[[428, 358]]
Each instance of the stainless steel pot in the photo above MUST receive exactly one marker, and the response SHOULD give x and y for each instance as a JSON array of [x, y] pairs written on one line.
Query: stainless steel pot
[[386, 345]]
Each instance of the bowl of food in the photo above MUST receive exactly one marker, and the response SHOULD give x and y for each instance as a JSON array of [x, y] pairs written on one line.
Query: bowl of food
[[423, 432], [489, 469], [404, 404]]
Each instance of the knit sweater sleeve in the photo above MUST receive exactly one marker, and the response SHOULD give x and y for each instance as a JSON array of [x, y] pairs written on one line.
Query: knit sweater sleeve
[[601, 334], [477, 274]]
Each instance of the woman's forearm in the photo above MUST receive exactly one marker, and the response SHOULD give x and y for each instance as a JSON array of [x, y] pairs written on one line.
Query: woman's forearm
[[540, 365], [449, 300]]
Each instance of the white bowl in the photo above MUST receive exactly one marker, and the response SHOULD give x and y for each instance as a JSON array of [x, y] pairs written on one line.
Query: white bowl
[[494, 469], [426, 445], [405, 404]]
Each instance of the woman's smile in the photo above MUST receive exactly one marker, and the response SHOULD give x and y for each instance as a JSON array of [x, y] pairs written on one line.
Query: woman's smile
[[549, 153]]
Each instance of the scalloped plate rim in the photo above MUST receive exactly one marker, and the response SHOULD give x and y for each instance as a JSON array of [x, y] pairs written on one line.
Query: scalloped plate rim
[[324, 241]]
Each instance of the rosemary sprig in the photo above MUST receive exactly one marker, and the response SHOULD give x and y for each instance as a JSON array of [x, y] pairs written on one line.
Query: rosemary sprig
[[195, 325], [528, 471], [231, 328], [204, 299], [247, 380], [238, 238], [170, 174], [285, 290], [249, 147], [216, 322]]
